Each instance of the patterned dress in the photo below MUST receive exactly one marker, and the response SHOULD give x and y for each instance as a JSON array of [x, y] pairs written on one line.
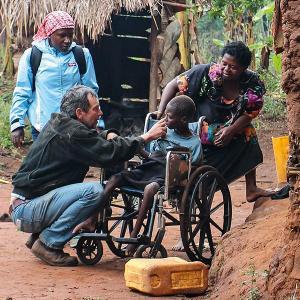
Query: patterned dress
[[203, 83]]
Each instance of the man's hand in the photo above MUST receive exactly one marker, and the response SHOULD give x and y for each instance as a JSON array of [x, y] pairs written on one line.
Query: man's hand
[[17, 137], [87, 225], [111, 135], [159, 129], [224, 136]]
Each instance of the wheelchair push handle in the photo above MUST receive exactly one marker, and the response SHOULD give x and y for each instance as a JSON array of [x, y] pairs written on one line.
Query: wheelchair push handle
[[177, 148]]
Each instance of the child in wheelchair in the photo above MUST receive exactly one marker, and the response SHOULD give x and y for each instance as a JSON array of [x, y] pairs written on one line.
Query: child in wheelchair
[[150, 175]]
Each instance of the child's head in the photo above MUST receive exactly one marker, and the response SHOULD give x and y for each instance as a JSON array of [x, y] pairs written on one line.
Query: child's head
[[179, 111]]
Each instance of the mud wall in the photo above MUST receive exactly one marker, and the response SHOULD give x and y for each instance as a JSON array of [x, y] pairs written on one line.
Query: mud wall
[[284, 268], [291, 61]]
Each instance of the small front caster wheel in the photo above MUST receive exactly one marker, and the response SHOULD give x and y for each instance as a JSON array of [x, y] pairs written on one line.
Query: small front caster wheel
[[148, 251], [89, 250]]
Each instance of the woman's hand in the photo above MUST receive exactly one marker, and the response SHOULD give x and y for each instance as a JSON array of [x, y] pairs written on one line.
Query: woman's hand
[[224, 136], [158, 114]]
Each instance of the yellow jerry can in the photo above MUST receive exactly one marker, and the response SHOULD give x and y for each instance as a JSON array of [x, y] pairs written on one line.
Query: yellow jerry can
[[166, 276]]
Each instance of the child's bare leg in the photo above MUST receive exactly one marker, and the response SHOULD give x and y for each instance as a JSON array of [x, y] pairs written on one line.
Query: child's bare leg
[[114, 182], [90, 223], [149, 192]]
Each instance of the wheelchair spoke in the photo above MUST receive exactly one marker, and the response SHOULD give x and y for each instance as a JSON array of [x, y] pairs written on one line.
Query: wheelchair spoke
[[123, 229], [212, 192], [216, 225], [195, 215], [194, 231], [201, 241], [210, 240], [130, 225], [114, 226], [216, 207], [200, 191], [194, 197]]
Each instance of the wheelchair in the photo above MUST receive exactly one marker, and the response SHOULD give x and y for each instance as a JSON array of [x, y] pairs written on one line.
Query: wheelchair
[[200, 194]]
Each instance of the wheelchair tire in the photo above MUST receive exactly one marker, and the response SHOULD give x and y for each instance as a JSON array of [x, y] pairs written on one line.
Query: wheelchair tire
[[89, 250], [146, 251], [206, 213]]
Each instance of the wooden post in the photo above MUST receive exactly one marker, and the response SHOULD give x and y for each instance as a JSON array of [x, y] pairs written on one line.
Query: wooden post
[[154, 45]]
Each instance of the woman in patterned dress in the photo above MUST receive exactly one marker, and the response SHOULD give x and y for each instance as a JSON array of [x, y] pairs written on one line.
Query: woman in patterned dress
[[229, 96]]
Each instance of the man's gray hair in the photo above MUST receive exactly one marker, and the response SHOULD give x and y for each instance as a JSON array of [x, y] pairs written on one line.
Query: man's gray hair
[[76, 97]]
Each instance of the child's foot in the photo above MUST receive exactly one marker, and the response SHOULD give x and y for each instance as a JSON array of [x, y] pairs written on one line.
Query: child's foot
[[179, 246], [130, 250], [253, 195]]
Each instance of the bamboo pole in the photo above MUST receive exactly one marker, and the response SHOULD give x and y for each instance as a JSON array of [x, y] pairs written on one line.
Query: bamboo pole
[[8, 64], [155, 55]]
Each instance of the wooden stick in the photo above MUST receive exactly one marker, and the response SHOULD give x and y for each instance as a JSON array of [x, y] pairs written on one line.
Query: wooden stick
[[154, 65], [177, 4], [4, 181]]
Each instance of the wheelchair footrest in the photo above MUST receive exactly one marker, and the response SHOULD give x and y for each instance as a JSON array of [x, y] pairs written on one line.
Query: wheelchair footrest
[[138, 240], [96, 235]]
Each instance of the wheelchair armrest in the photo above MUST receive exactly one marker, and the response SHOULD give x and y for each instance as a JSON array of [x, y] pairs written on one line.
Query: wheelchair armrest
[[178, 148]]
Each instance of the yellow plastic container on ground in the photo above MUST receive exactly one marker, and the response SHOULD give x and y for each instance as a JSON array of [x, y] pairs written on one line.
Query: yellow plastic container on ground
[[166, 276], [281, 153]]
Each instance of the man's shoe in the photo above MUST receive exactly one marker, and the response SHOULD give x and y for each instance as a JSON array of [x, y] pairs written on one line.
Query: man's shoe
[[53, 257], [32, 238]]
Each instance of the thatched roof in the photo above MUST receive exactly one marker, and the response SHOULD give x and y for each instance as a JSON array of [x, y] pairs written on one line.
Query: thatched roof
[[91, 16]]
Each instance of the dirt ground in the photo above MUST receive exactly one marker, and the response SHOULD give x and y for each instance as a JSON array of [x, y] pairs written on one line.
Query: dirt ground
[[248, 245]]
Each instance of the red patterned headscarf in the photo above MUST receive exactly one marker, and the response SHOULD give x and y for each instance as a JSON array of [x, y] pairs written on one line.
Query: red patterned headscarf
[[52, 22]]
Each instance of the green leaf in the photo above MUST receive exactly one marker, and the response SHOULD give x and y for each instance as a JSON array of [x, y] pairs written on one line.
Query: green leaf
[[256, 46], [267, 10], [276, 59], [219, 43]]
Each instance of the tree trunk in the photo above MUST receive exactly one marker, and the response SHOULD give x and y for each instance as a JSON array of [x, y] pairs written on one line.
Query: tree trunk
[[285, 266], [8, 64], [265, 57]]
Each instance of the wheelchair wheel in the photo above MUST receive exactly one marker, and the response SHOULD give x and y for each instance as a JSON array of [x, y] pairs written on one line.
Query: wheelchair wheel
[[119, 224], [147, 251], [89, 250], [206, 213]]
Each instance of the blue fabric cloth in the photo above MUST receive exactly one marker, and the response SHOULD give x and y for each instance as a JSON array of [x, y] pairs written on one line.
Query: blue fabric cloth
[[57, 73], [172, 138], [56, 213]]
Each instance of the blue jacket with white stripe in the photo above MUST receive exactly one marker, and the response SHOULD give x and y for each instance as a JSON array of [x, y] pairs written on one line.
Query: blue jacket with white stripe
[[58, 72]]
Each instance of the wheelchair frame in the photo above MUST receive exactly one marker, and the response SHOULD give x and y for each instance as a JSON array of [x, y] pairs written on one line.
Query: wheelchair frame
[[198, 189]]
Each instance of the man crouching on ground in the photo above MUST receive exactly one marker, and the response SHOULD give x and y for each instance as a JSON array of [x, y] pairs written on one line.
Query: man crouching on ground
[[49, 198]]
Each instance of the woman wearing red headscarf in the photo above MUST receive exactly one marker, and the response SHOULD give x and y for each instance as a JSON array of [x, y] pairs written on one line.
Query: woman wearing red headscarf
[[37, 96]]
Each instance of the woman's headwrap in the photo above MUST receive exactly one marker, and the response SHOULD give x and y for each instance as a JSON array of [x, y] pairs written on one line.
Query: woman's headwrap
[[52, 22]]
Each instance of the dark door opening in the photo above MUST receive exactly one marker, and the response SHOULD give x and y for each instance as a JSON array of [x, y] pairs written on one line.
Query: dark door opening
[[122, 64]]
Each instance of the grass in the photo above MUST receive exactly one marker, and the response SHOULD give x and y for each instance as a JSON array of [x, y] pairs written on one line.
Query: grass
[[253, 275], [6, 91], [6, 88], [274, 100]]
